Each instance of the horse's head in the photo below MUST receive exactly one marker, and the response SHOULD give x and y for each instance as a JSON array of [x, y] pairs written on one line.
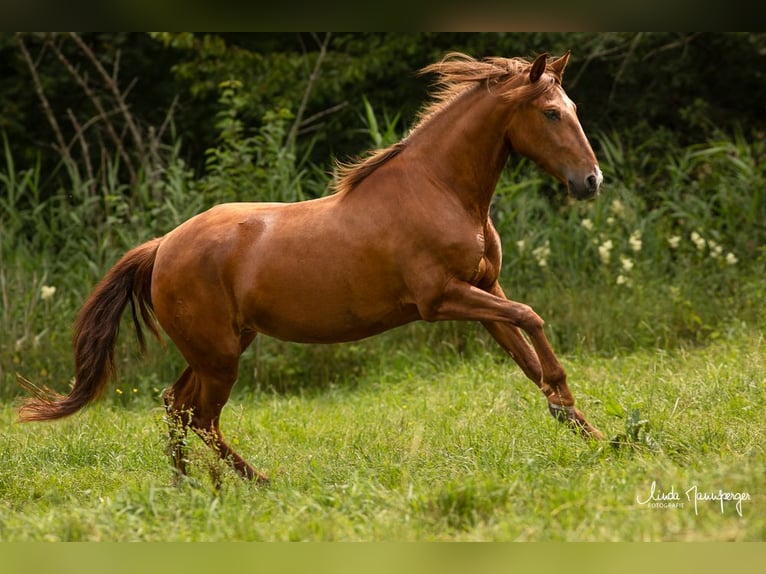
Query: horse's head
[[545, 128]]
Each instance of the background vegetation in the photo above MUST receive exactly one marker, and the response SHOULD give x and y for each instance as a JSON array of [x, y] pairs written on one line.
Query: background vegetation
[[110, 139]]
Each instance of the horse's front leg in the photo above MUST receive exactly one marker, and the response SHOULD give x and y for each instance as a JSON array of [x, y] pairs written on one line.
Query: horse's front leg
[[504, 319]]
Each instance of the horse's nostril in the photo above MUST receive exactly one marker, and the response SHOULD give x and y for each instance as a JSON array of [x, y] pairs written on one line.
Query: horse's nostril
[[593, 181]]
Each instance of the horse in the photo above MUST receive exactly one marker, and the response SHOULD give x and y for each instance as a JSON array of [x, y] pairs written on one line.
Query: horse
[[405, 235]]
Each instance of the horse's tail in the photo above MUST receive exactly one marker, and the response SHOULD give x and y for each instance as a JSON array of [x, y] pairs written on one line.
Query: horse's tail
[[95, 333]]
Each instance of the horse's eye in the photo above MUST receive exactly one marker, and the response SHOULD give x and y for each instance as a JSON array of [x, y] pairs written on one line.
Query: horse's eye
[[552, 114]]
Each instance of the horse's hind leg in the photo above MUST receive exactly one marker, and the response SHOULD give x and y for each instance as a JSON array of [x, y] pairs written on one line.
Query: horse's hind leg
[[204, 329], [195, 401], [214, 390]]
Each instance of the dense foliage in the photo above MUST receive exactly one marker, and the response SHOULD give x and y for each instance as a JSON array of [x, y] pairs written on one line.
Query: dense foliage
[[685, 83]]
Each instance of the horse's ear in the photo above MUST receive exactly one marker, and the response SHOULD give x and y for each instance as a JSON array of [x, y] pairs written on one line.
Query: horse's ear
[[559, 64], [538, 67]]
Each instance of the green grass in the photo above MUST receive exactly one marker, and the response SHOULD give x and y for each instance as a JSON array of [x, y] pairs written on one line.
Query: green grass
[[653, 294], [410, 448]]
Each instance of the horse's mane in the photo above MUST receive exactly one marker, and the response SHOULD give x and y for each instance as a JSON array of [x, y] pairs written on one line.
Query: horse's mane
[[455, 75]]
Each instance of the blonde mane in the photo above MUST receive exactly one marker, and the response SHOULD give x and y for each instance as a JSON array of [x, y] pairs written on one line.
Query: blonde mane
[[455, 75]]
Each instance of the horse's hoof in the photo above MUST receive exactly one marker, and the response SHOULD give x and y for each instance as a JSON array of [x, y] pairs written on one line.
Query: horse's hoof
[[573, 417], [262, 480], [249, 473]]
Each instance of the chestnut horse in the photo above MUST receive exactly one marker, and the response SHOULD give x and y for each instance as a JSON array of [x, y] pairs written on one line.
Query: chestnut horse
[[407, 236]]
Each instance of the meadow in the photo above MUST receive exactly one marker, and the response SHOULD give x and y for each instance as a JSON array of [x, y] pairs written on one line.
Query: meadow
[[652, 294], [415, 449]]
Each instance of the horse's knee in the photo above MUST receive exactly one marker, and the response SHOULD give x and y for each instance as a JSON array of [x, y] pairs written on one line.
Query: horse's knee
[[526, 318]]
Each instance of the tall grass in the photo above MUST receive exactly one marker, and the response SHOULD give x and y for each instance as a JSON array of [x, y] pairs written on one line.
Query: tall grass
[[672, 252]]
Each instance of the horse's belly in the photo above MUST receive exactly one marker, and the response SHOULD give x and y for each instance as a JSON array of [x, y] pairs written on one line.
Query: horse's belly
[[328, 322]]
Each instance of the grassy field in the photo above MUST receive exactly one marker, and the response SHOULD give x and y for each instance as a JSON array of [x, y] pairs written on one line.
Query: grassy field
[[653, 294], [411, 448]]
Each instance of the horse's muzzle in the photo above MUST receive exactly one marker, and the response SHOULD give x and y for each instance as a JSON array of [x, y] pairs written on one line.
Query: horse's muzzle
[[588, 187]]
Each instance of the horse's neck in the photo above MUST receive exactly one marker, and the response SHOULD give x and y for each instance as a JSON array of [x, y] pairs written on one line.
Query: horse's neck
[[464, 147]]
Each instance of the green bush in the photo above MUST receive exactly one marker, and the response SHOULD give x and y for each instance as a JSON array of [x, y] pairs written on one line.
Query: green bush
[[251, 167]]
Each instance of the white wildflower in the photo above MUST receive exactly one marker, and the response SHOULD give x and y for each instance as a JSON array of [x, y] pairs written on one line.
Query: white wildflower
[[635, 240], [610, 220], [618, 208], [521, 245], [698, 240], [731, 259], [626, 262], [47, 292], [587, 224], [622, 280], [716, 249], [541, 254], [604, 251], [674, 241]]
